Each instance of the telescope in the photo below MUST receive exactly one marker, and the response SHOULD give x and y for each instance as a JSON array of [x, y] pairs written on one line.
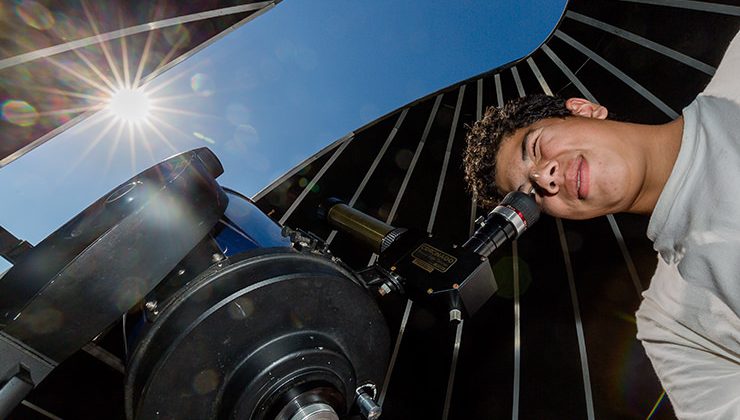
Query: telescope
[[222, 312], [440, 274]]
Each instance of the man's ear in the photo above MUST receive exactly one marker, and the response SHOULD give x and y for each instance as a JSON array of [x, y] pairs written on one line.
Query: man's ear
[[585, 108]]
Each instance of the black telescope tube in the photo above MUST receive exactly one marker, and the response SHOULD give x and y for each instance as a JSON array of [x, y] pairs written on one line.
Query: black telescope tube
[[490, 236]]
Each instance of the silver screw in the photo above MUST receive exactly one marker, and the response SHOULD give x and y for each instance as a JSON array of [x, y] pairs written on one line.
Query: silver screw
[[217, 257]]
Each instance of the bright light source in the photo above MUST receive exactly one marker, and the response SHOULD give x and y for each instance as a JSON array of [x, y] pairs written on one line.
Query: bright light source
[[130, 105]]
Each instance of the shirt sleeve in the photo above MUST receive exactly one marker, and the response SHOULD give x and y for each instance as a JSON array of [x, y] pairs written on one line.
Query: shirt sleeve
[[698, 362], [726, 81]]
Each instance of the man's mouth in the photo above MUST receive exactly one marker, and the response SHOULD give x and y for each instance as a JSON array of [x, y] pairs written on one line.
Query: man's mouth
[[582, 178]]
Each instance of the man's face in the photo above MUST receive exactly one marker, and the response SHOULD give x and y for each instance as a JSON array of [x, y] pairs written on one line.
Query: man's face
[[579, 167]]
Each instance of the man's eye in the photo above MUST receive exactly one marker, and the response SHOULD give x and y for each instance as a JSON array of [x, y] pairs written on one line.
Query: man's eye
[[534, 145]]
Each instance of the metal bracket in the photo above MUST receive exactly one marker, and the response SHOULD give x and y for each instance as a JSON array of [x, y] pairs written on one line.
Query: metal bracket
[[11, 248]]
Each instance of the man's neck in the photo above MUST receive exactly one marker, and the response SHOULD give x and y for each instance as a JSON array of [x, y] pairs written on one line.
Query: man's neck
[[661, 144]]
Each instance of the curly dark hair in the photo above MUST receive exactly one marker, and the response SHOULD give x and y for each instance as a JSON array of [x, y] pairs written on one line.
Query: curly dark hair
[[484, 139]]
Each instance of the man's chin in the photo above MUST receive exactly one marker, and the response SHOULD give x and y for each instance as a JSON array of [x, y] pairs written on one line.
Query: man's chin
[[575, 214]]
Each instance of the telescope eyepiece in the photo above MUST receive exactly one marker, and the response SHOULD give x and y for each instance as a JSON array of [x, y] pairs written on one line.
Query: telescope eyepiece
[[515, 214]]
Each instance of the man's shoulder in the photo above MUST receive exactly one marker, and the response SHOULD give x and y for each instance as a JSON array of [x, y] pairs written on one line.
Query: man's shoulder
[[726, 83]]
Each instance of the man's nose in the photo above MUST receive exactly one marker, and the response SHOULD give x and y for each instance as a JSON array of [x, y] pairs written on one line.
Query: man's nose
[[545, 176]]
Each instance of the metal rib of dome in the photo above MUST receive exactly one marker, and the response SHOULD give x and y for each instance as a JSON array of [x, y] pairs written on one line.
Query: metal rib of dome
[[53, 67], [558, 341]]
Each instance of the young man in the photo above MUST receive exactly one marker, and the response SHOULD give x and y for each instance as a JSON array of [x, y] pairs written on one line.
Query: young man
[[686, 174]]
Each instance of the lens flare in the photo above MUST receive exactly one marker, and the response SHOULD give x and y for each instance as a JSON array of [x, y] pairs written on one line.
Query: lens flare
[[19, 113], [503, 271], [206, 381], [177, 36], [69, 28], [237, 114], [130, 105], [43, 321], [201, 84], [203, 137], [35, 15]]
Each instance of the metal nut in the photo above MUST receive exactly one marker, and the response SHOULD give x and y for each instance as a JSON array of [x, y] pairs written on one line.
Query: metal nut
[[455, 315]]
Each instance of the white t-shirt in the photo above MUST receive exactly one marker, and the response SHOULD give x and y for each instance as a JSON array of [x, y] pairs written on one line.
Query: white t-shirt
[[689, 320]]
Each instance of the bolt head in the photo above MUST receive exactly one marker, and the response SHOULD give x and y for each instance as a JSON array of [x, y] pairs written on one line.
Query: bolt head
[[384, 290]]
